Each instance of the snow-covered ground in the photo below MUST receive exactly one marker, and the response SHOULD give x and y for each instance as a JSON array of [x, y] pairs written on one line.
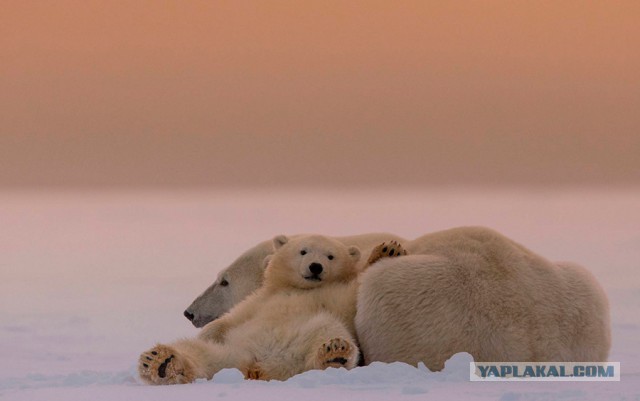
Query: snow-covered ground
[[88, 280]]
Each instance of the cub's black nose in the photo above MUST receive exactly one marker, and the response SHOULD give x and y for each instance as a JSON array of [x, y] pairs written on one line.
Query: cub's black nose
[[188, 315], [315, 268]]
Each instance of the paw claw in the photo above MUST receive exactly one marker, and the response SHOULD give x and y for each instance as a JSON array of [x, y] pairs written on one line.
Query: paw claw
[[337, 353], [384, 250], [164, 367], [255, 372]]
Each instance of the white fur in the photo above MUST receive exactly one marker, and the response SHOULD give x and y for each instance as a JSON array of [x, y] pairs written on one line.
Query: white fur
[[280, 330], [473, 290], [466, 289]]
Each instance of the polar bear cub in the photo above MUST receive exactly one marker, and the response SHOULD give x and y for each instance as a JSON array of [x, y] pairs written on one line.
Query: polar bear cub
[[302, 318]]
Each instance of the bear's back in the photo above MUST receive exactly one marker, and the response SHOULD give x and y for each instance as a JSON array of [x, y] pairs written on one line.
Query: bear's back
[[471, 289]]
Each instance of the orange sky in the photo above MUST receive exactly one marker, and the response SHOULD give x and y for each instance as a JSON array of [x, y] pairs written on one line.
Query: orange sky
[[327, 92]]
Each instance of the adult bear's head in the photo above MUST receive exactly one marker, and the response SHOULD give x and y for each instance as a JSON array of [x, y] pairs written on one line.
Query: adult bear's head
[[233, 284]]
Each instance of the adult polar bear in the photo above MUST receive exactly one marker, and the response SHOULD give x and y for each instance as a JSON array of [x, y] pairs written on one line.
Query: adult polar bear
[[467, 289]]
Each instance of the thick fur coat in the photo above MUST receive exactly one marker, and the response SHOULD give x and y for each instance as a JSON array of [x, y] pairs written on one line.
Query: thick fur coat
[[300, 319], [473, 290]]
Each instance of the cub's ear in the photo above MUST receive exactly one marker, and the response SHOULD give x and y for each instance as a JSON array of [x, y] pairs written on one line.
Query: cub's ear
[[266, 261], [279, 241], [354, 252]]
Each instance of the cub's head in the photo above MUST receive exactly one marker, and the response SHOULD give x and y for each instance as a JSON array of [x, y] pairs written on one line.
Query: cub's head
[[310, 261]]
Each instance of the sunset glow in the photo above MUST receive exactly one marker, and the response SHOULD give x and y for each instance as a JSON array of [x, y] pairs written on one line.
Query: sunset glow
[[247, 93]]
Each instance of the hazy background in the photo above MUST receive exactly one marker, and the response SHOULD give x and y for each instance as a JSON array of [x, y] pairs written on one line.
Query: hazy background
[[323, 93]]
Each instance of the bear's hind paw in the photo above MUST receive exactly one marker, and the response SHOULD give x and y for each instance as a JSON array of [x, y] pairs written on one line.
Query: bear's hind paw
[[337, 353]]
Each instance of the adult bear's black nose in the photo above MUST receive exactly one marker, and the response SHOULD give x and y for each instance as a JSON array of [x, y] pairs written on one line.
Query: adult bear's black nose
[[188, 315], [315, 268]]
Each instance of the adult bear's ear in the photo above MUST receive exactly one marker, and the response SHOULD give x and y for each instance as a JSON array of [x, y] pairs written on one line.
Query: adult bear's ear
[[265, 262], [279, 241], [354, 252]]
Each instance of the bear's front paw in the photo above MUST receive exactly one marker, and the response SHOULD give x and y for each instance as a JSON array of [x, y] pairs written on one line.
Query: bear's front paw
[[337, 353], [385, 250], [162, 365]]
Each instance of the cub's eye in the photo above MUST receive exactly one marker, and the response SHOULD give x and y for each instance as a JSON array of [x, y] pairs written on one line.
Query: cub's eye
[[303, 252], [330, 257], [224, 283]]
